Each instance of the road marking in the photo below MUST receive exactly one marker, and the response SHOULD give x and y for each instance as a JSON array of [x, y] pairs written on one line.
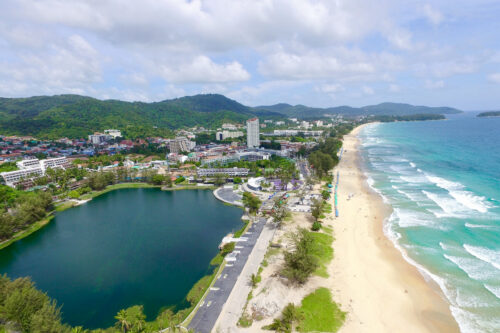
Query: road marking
[[215, 288], [239, 247], [229, 265], [225, 276], [209, 303]]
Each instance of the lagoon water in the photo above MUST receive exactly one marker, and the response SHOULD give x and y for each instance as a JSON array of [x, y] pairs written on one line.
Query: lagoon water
[[442, 179], [126, 247]]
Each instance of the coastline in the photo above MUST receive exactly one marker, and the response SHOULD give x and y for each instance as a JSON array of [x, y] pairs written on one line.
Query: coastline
[[370, 278], [87, 197]]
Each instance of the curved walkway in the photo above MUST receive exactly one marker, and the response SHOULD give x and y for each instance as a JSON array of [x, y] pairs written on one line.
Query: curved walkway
[[227, 195]]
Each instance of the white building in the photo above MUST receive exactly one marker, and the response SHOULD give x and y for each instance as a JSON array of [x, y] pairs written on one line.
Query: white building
[[98, 138], [229, 126], [114, 133], [58, 162], [32, 168], [28, 164], [230, 172], [253, 139], [180, 144], [227, 134]]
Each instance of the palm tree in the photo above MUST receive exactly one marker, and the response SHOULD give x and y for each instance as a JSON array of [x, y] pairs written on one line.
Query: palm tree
[[121, 316]]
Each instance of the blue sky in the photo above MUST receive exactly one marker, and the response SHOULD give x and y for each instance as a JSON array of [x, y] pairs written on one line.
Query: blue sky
[[317, 53]]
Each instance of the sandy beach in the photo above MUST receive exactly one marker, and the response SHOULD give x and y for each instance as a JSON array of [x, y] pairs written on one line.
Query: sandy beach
[[368, 275]]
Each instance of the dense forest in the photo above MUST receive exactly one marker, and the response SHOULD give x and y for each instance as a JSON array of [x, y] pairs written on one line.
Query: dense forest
[[75, 116], [413, 117], [388, 109]]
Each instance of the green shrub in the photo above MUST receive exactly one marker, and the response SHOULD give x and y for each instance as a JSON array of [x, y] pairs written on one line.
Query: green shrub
[[301, 262], [227, 248], [316, 226]]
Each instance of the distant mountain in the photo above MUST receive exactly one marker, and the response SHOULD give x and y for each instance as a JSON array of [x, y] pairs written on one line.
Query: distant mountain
[[388, 109], [77, 116], [489, 114]]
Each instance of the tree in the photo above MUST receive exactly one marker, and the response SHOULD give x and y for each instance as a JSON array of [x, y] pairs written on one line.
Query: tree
[[316, 209], [219, 179], [237, 180], [279, 211], [158, 179], [123, 322], [252, 202], [300, 263]]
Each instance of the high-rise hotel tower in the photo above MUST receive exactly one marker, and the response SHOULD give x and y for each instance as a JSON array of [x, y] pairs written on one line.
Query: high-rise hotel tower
[[253, 140]]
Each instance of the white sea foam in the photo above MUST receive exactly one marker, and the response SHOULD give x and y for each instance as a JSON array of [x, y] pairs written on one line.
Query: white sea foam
[[475, 269], [412, 165], [414, 180], [466, 198], [407, 218], [488, 255], [444, 183], [481, 226], [495, 290], [471, 201], [449, 206]]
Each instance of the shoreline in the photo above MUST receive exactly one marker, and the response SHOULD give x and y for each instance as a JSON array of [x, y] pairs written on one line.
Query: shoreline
[[215, 266], [84, 199], [368, 270]]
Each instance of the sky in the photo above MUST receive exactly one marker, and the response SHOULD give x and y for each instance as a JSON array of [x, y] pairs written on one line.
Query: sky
[[258, 52]]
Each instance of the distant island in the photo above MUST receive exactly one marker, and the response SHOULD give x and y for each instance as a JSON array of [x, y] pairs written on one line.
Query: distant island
[[75, 116], [489, 114]]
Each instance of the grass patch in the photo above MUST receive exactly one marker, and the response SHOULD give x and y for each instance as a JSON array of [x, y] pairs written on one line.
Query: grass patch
[[240, 232], [327, 229], [320, 313], [323, 251], [245, 321]]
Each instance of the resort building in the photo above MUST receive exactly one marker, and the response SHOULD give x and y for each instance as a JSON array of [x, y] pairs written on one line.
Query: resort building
[[98, 138], [32, 168], [230, 172], [227, 134], [114, 133], [253, 139], [181, 144]]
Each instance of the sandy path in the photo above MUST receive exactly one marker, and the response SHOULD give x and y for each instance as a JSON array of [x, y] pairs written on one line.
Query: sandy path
[[368, 276]]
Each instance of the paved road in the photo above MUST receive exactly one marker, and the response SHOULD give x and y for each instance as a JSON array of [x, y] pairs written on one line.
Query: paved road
[[206, 316], [229, 195]]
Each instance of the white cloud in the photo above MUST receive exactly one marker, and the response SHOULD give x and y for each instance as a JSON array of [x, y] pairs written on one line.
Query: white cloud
[[312, 66], [202, 70], [401, 39], [330, 88], [429, 84], [433, 15], [394, 88], [494, 77], [69, 67], [367, 90]]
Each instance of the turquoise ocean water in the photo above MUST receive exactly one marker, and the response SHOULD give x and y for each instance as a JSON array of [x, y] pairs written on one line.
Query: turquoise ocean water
[[442, 179]]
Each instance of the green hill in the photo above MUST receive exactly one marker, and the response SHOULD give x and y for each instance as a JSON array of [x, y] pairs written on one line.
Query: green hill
[[489, 114], [386, 109], [77, 116]]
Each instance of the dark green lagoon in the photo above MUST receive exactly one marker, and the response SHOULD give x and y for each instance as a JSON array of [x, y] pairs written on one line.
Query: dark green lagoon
[[125, 247]]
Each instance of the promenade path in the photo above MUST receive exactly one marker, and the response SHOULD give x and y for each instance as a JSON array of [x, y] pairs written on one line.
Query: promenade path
[[206, 316]]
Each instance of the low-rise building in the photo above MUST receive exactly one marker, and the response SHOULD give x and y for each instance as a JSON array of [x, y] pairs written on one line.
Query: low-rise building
[[230, 172], [32, 168]]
